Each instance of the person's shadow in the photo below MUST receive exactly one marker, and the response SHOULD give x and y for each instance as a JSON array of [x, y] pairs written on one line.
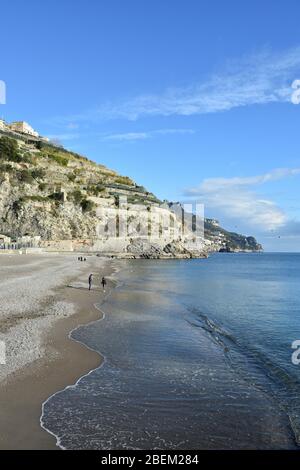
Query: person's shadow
[[84, 288]]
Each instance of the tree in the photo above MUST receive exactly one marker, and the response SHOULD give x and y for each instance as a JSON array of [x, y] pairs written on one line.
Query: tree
[[9, 149]]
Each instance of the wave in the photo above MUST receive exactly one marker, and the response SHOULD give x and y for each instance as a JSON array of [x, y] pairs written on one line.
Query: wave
[[253, 366], [43, 425]]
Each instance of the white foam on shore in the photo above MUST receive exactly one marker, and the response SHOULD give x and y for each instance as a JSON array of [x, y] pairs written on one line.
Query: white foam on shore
[[101, 355]]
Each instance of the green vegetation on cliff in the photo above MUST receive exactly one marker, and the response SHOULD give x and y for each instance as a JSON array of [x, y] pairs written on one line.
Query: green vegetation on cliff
[[53, 193]]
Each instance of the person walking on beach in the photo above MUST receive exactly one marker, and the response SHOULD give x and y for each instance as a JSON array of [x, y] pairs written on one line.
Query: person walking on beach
[[90, 281], [103, 282]]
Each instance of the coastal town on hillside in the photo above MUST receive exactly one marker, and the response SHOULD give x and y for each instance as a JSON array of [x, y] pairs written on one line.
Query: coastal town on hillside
[[63, 195]]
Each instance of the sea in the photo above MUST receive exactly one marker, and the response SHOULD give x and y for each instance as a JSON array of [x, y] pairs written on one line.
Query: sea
[[197, 355]]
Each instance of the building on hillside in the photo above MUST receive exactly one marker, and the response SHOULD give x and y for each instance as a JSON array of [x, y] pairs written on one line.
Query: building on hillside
[[23, 127], [4, 239], [2, 125]]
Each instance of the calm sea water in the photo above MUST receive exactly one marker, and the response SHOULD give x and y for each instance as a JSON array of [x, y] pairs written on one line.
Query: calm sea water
[[197, 355]]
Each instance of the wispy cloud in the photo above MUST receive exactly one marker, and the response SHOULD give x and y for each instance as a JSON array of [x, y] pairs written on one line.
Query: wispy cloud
[[211, 184], [238, 200], [262, 78], [62, 137], [127, 137], [72, 125], [135, 136]]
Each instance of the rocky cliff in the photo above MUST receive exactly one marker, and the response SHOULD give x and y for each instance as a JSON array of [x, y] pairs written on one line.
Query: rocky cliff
[[59, 200], [220, 239]]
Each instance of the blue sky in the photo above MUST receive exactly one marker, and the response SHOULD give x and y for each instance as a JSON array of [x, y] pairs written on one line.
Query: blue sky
[[193, 99]]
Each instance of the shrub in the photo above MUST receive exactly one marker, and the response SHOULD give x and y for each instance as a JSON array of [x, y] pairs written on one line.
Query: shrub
[[36, 198], [17, 206], [38, 173], [71, 177], [25, 176], [124, 180], [42, 186], [87, 205], [58, 159], [76, 196], [96, 189], [39, 145], [27, 158], [9, 150], [56, 196], [6, 168]]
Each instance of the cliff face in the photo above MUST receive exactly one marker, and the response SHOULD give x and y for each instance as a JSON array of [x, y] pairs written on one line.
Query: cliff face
[[69, 202], [219, 239]]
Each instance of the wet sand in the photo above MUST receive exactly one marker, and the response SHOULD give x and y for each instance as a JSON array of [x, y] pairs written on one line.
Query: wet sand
[[62, 363]]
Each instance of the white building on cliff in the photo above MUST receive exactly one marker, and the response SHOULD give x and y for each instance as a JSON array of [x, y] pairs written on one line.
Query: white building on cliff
[[20, 127], [23, 127]]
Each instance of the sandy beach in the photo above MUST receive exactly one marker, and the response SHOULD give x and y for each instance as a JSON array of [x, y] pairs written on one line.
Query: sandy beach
[[44, 297]]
